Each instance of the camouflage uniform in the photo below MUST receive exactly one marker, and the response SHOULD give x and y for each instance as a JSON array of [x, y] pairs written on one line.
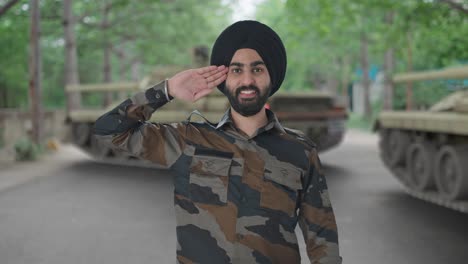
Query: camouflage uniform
[[237, 198]]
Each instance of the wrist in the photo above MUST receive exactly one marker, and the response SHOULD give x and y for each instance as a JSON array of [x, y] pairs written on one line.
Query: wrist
[[167, 90]]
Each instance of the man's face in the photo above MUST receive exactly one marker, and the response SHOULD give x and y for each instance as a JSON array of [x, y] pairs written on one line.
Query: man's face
[[248, 83]]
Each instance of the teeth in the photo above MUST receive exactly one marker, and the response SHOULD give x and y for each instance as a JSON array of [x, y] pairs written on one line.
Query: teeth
[[248, 92]]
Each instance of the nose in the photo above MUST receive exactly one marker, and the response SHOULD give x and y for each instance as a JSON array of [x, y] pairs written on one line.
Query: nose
[[247, 78]]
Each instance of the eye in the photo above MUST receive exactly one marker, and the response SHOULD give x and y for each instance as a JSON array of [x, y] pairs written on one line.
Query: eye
[[257, 70], [236, 70]]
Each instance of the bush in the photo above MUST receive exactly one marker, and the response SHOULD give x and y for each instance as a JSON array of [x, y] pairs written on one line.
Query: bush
[[26, 150]]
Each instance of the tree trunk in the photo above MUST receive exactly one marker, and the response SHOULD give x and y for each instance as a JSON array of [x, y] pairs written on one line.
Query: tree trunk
[[409, 87], [317, 81], [365, 75], [71, 58], [332, 85], [136, 70], [389, 66], [122, 70], [345, 78], [122, 66], [332, 81], [107, 53], [7, 6], [35, 73], [3, 98], [459, 6]]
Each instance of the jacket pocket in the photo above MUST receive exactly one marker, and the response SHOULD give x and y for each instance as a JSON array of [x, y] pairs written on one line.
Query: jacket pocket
[[280, 189], [209, 179]]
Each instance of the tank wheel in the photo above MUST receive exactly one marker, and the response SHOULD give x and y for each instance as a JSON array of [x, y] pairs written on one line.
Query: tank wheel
[[99, 149], [419, 163], [451, 173], [394, 144], [383, 136], [80, 133]]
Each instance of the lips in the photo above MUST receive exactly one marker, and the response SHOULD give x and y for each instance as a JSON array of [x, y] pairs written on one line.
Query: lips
[[247, 92]]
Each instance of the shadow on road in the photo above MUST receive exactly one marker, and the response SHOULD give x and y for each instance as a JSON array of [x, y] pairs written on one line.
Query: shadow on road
[[419, 211]]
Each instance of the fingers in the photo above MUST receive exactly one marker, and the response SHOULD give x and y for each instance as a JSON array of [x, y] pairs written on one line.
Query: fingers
[[218, 80], [202, 93], [209, 73], [220, 74], [212, 79], [194, 84], [206, 69]]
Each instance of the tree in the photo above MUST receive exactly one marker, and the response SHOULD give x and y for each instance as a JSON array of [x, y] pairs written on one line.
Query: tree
[[71, 58], [460, 6], [389, 67], [35, 72], [122, 27], [7, 6], [148, 32], [321, 33]]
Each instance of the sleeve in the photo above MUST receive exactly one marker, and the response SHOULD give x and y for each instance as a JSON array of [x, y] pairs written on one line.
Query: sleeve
[[316, 217], [130, 130]]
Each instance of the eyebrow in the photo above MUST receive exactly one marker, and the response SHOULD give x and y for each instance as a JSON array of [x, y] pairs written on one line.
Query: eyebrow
[[253, 64]]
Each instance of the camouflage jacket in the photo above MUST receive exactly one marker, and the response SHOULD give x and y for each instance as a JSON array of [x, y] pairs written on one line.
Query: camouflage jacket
[[237, 198]]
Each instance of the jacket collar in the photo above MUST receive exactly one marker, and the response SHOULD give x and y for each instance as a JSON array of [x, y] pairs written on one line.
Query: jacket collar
[[272, 121]]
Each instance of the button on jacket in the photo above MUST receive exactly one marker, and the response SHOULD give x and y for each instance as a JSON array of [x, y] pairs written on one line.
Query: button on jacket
[[237, 198]]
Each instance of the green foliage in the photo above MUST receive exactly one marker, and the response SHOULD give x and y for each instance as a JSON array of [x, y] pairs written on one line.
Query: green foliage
[[14, 58], [151, 32], [322, 36], [358, 121], [26, 150], [425, 94]]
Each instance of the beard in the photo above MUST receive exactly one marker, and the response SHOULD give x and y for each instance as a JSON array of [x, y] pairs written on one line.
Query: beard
[[251, 106]]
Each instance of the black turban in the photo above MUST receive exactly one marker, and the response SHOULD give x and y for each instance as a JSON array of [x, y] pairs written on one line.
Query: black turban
[[253, 35]]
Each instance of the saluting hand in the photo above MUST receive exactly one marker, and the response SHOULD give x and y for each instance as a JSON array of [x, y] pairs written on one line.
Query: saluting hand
[[193, 84]]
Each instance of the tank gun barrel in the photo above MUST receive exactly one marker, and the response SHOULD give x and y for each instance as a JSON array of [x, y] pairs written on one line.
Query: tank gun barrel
[[317, 115], [427, 150], [447, 73]]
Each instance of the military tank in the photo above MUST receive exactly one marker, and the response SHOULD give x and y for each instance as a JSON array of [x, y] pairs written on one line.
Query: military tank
[[428, 150], [318, 115]]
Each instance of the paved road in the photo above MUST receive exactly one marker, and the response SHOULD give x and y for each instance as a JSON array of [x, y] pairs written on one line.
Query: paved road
[[68, 209]]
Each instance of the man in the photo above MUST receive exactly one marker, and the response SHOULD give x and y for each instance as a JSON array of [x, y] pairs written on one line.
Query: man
[[241, 186]]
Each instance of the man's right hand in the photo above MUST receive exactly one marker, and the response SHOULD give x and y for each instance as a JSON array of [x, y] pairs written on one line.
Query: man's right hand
[[193, 84]]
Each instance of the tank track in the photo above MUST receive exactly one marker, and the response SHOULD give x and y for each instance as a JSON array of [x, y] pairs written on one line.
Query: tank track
[[427, 178], [431, 196]]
